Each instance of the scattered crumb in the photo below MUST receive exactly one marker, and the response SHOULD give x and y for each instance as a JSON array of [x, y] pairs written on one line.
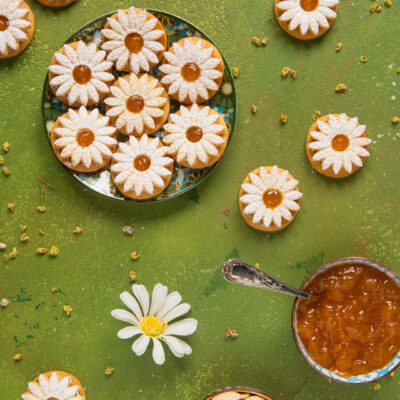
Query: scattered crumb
[[53, 251], [11, 206], [128, 230], [6, 147], [235, 72], [340, 88], [41, 250], [134, 255], [283, 118], [285, 72], [253, 109], [78, 230], [363, 59], [3, 246], [231, 333], [67, 310], [132, 276], [109, 370], [18, 357], [376, 385], [4, 303], [339, 46], [41, 209]]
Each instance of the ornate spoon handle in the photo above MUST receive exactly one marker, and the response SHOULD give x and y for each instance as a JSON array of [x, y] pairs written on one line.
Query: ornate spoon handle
[[238, 271]]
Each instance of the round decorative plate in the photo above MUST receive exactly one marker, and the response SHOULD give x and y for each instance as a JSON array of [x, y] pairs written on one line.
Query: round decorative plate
[[183, 179]]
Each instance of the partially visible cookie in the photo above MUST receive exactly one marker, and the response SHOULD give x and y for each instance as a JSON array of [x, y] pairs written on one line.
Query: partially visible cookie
[[54, 385], [83, 140], [269, 198], [306, 19], [337, 145], [192, 70], [56, 3], [17, 27], [197, 136]]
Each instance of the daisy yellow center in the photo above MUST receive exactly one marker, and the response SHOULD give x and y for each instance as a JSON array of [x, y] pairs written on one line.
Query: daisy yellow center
[[142, 162], [194, 134], [190, 72], [272, 198], [340, 143], [309, 5], [85, 137], [134, 42], [152, 326], [135, 104], [82, 74], [3, 23]]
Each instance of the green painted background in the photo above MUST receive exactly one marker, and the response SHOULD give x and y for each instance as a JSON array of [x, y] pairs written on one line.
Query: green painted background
[[183, 241]]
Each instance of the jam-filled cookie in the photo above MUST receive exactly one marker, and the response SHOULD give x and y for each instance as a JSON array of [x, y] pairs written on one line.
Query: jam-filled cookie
[[269, 198], [337, 145], [83, 140], [17, 27], [306, 19], [54, 385], [56, 3], [137, 105], [140, 168], [237, 394], [134, 39], [197, 136], [192, 70], [78, 74]]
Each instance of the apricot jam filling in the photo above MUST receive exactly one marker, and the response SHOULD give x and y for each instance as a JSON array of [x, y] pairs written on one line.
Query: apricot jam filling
[[134, 42], [4, 22], [85, 137], [82, 74], [353, 326], [272, 198], [135, 104], [194, 134], [340, 143], [190, 72], [142, 162], [309, 5]]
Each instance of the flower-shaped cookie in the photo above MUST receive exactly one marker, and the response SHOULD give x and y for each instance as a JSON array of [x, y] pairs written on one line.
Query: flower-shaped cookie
[[134, 39], [83, 140], [192, 70], [78, 74], [154, 321], [197, 136], [269, 198], [138, 105], [337, 145], [140, 169]]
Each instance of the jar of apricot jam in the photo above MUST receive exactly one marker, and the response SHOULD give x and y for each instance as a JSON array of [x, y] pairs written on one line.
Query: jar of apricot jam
[[351, 324]]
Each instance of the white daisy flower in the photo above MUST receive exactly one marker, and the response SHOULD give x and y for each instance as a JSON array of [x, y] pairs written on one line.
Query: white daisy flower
[[339, 143], [85, 137], [133, 40], [191, 70], [52, 389], [13, 24], [136, 103], [140, 165], [194, 134], [307, 14], [153, 321], [80, 75], [271, 196]]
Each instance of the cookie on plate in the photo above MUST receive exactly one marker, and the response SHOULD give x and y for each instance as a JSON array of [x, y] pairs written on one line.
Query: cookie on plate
[[197, 136], [138, 104], [54, 385], [78, 74], [192, 70], [83, 140], [306, 19], [140, 168], [134, 39], [17, 27], [56, 3], [337, 145], [269, 198]]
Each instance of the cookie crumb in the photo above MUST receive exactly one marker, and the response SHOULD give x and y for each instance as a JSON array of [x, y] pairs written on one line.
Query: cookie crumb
[[134, 255], [363, 59], [285, 72], [41, 232], [11, 206], [78, 230], [53, 251], [316, 115], [18, 357], [235, 72], [283, 118], [293, 73], [41, 250], [24, 238], [339, 46], [231, 333], [256, 41], [6, 147], [6, 171], [395, 120], [264, 41], [13, 253], [41, 209], [132, 276], [109, 370], [67, 310], [128, 230], [253, 108], [2, 246], [256, 265], [398, 70], [341, 88], [53, 290], [388, 3], [392, 374], [4, 303], [226, 211], [1, 160], [376, 385]]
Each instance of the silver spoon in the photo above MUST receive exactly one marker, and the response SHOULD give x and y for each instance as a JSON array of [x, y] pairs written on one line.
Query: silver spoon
[[238, 271]]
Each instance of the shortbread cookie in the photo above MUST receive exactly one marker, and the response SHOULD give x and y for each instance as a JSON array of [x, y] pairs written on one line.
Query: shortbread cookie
[[17, 27], [54, 385], [337, 145], [192, 70], [197, 136], [269, 198], [237, 394], [138, 105], [134, 39], [140, 168], [83, 140], [56, 3], [306, 19], [78, 74]]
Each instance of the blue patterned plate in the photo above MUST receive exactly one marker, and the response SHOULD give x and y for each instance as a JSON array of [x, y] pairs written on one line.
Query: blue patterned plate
[[183, 178]]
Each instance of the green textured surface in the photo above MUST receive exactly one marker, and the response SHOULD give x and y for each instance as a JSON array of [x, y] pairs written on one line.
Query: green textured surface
[[183, 241]]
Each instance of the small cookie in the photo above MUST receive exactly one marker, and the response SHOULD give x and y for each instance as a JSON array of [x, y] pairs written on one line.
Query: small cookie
[[140, 169], [234, 395], [78, 74], [306, 19], [54, 385], [269, 198], [138, 105], [197, 136], [192, 70], [83, 141], [56, 3], [134, 39], [337, 145], [17, 27]]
